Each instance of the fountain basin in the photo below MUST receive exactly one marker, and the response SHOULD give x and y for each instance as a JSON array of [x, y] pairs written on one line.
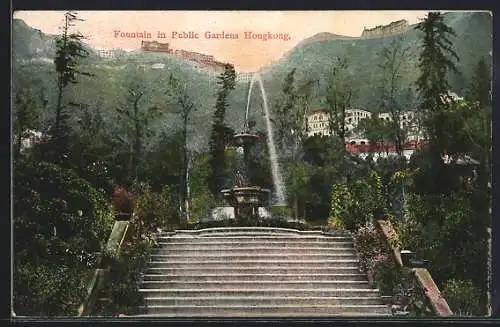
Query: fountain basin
[[244, 139], [247, 195]]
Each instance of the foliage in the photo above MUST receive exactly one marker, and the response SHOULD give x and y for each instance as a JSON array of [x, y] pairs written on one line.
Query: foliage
[[346, 204], [48, 289], [368, 244], [221, 133], [463, 297], [385, 272], [391, 68], [435, 61], [24, 116], [69, 50], [122, 200], [60, 223], [201, 199], [409, 297], [178, 91], [154, 210], [339, 96], [450, 233], [124, 277]]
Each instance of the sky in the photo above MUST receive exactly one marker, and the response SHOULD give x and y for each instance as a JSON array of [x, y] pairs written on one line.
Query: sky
[[113, 29]]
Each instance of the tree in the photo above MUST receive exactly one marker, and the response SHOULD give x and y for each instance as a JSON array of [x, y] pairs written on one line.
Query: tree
[[221, 133], [69, 50], [285, 111], [392, 59], [376, 130], [137, 118], [338, 98], [179, 93], [24, 117], [435, 61]]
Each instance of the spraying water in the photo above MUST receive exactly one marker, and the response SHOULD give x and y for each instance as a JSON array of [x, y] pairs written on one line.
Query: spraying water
[[279, 186]]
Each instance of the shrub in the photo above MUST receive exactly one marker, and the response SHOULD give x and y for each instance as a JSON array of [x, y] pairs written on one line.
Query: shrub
[[154, 210], [122, 288], [122, 200], [386, 273], [48, 289], [57, 214], [463, 297], [369, 244]]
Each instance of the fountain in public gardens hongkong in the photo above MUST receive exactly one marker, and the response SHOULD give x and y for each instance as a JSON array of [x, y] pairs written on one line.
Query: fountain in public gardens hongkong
[[248, 201]]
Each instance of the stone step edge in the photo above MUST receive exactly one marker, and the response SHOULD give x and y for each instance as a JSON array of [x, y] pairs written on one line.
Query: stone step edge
[[254, 255], [257, 275], [284, 306], [188, 298], [258, 236], [225, 262], [263, 268], [258, 282], [171, 247], [236, 290]]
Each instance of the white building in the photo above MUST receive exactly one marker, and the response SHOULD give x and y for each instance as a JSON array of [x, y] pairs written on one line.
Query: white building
[[317, 123], [243, 78]]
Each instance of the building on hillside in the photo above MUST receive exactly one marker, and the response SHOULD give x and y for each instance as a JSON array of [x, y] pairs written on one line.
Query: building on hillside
[[354, 116], [317, 123], [107, 53], [191, 55], [408, 121], [243, 78], [155, 46], [317, 120], [364, 148]]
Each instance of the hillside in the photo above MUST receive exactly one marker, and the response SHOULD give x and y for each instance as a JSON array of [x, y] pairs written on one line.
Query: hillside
[[33, 52], [473, 41]]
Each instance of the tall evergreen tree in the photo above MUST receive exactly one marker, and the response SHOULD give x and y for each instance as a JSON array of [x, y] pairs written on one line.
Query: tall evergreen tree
[[221, 133], [436, 59], [69, 51]]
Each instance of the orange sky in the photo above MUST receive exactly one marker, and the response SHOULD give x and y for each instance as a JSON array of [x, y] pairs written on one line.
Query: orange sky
[[246, 55]]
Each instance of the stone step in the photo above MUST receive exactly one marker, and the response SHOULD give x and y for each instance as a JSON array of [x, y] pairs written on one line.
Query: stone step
[[214, 250], [244, 284], [235, 244], [203, 276], [254, 238], [271, 269], [261, 301], [258, 315], [216, 292], [251, 256], [282, 310], [205, 264]]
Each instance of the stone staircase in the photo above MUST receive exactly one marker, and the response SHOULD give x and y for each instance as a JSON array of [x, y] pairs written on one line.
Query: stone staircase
[[244, 272]]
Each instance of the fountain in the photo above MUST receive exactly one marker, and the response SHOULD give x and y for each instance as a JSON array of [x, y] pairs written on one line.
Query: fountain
[[249, 202]]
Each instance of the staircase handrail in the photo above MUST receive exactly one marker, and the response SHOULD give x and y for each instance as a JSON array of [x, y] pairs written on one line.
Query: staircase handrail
[[422, 276]]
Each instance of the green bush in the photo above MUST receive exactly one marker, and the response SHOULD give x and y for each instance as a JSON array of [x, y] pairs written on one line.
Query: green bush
[[60, 224], [122, 288], [463, 297], [154, 210], [386, 273], [48, 289]]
